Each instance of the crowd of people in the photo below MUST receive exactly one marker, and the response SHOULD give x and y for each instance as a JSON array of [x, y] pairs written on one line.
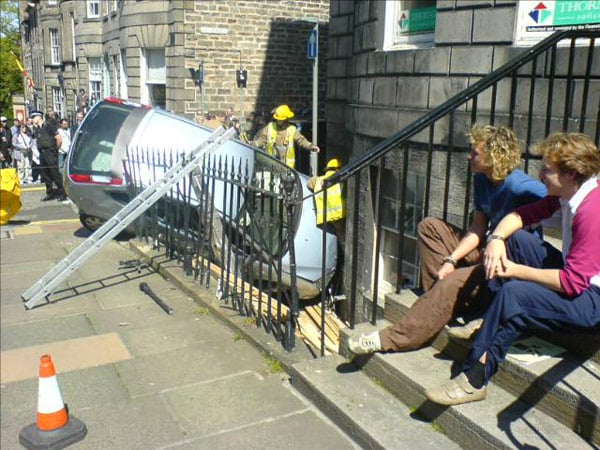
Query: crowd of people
[[37, 148]]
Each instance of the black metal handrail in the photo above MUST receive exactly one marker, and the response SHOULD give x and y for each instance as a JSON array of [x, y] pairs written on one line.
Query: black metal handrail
[[535, 113], [461, 98]]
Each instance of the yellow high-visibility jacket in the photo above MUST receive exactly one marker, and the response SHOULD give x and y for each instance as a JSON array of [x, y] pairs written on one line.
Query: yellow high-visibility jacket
[[290, 154], [336, 208]]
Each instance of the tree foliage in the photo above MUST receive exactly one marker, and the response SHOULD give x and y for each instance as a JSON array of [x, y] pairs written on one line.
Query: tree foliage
[[11, 78]]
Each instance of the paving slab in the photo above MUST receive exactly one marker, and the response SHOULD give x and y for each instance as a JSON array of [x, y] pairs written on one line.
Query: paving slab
[[303, 430], [44, 331], [144, 375], [230, 403]]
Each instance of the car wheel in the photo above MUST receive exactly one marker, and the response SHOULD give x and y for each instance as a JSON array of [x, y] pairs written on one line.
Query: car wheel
[[92, 223]]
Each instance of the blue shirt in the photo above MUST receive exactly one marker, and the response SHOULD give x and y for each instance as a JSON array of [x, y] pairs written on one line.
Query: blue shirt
[[498, 200]]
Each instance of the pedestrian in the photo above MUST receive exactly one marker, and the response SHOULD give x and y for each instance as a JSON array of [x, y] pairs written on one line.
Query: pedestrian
[[16, 126], [539, 288], [280, 137], [75, 126], [451, 272], [48, 142], [6, 157], [65, 134], [23, 146], [82, 101]]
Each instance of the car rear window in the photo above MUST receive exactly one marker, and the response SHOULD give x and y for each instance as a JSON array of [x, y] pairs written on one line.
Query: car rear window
[[95, 140]]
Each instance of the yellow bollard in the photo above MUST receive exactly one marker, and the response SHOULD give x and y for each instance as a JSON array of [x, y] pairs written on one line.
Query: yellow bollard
[[10, 195]]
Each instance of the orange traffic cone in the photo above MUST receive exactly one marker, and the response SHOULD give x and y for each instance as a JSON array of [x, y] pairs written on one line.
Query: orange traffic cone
[[54, 429]]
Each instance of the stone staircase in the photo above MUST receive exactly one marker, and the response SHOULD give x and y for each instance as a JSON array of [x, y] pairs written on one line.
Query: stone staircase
[[553, 403]]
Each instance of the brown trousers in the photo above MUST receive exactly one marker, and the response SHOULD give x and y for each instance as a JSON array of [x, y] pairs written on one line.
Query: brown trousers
[[442, 298]]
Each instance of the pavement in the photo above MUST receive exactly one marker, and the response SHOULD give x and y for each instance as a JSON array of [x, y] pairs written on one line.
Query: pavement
[[137, 377]]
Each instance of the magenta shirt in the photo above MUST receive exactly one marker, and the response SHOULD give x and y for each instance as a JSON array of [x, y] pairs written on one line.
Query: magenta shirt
[[583, 260]]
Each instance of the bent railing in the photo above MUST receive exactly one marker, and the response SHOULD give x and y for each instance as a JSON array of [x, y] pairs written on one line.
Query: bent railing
[[227, 223]]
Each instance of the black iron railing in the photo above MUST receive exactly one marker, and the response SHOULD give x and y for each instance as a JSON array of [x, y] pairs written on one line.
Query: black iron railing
[[553, 86], [230, 224]]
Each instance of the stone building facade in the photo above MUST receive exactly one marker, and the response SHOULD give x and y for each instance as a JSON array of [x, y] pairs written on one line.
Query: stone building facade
[[151, 51], [390, 63]]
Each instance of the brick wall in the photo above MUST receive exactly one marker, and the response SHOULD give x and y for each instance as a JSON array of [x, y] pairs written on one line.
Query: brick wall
[[265, 38]]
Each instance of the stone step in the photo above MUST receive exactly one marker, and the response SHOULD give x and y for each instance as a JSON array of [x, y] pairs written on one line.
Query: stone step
[[566, 387], [501, 421], [362, 408]]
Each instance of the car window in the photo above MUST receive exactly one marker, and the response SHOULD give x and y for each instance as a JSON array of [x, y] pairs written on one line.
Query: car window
[[95, 140]]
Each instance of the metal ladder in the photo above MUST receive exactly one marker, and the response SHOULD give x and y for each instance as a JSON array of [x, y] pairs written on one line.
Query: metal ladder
[[113, 226]]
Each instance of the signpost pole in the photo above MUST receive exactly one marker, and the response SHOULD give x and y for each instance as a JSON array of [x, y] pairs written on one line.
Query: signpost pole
[[315, 95]]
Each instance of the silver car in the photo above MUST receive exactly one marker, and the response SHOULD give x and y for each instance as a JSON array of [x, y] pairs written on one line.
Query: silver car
[[94, 178]]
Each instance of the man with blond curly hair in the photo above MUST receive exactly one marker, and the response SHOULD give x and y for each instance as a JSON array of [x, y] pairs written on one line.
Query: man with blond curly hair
[[451, 272], [540, 288]]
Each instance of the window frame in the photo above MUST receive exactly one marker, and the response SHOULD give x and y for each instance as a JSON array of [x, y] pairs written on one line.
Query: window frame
[[417, 39], [92, 9], [95, 79], [58, 101], [54, 37], [153, 84], [392, 201]]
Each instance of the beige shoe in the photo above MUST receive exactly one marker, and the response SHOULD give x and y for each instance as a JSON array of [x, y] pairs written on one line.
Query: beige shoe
[[365, 343], [456, 392], [467, 331]]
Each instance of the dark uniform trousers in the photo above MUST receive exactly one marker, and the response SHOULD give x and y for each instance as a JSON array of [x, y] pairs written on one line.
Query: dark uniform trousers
[[49, 159], [521, 306]]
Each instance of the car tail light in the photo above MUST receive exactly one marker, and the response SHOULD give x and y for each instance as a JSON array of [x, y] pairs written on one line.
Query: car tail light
[[95, 179]]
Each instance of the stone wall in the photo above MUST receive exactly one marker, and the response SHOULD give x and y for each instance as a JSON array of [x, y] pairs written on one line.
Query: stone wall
[[268, 39], [372, 94]]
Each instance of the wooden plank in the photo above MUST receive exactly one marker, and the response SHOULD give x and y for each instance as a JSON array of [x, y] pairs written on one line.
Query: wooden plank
[[249, 292], [309, 320], [331, 331], [312, 333]]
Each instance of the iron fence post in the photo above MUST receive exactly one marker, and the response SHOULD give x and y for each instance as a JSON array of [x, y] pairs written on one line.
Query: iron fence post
[[288, 185]]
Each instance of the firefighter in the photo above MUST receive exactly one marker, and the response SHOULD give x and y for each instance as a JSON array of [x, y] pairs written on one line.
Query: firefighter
[[279, 136], [336, 208]]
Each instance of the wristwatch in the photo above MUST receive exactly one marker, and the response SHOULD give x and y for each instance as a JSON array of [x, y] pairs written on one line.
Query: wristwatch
[[451, 260], [492, 237]]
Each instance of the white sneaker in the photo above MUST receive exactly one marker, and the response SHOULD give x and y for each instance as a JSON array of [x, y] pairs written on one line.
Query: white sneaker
[[365, 343], [467, 331]]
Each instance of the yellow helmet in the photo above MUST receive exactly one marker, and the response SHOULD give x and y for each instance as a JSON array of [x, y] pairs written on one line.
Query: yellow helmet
[[333, 163], [283, 112]]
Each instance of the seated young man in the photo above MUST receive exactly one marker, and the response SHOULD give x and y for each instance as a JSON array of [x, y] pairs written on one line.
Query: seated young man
[[537, 290]]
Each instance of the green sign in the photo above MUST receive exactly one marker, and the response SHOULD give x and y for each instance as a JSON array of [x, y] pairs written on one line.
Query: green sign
[[417, 20], [576, 12]]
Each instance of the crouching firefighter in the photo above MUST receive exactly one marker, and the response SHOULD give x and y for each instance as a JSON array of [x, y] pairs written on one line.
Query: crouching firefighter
[[335, 207]]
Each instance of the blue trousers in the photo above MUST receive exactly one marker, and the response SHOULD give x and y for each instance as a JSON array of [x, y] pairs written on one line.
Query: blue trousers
[[524, 305]]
